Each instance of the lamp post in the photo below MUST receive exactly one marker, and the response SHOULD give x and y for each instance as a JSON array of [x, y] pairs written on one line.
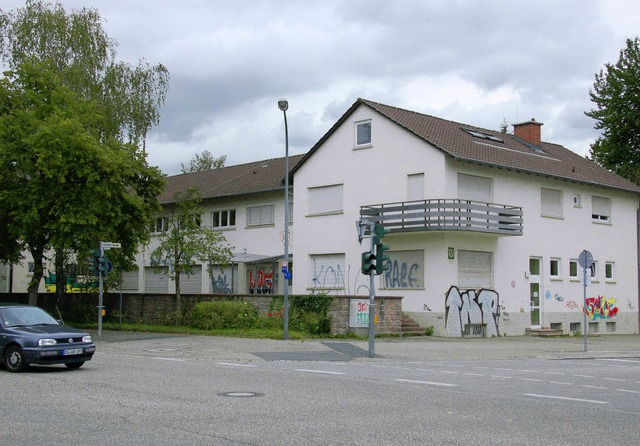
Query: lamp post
[[283, 105]]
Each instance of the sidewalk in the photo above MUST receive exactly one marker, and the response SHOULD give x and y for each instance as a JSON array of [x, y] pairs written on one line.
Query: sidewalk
[[423, 348]]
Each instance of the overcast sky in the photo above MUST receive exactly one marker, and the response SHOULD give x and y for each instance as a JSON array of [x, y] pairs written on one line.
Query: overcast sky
[[476, 62]]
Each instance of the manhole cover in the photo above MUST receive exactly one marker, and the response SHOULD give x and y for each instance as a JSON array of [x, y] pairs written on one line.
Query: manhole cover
[[241, 394]]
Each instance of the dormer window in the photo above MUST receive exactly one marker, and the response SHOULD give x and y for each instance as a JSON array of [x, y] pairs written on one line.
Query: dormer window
[[482, 135], [363, 134]]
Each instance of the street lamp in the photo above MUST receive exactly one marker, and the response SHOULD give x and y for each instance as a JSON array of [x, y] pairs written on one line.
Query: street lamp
[[283, 105]]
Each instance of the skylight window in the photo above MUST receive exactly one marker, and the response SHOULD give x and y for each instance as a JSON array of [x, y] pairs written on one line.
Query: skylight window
[[482, 135]]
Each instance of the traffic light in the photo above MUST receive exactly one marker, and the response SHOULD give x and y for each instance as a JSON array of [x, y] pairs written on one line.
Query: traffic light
[[94, 262], [382, 260], [368, 263], [103, 265]]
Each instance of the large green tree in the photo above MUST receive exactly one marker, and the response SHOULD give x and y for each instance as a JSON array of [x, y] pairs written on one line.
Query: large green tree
[[616, 95], [185, 240], [73, 124]]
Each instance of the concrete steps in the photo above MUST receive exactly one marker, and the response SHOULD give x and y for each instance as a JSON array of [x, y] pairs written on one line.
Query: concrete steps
[[409, 327], [543, 332]]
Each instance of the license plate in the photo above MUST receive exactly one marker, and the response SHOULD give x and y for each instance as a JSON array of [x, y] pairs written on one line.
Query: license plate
[[72, 351]]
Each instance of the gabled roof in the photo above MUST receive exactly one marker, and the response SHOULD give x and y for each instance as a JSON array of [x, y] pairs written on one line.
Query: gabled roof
[[498, 150], [241, 179]]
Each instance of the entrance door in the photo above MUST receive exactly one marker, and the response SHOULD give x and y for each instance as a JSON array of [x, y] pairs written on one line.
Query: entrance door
[[534, 291]]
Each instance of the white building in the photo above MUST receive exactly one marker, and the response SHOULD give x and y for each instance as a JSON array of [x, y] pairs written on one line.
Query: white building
[[485, 227]]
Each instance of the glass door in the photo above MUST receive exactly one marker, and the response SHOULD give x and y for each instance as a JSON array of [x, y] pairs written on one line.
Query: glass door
[[534, 291]]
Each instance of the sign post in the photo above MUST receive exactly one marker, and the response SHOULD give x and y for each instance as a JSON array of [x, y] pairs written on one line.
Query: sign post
[[585, 260], [104, 267]]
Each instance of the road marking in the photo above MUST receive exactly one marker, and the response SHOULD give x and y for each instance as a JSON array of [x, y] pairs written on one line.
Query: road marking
[[531, 379], [167, 359], [584, 376], [594, 387], [425, 370], [635, 361], [553, 397], [325, 372], [473, 374], [628, 391], [614, 379], [501, 376], [430, 383], [232, 364], [553, 373], [450, 372], [560, 382]]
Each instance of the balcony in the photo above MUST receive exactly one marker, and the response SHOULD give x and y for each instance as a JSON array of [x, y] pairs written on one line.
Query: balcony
[[446, 215]]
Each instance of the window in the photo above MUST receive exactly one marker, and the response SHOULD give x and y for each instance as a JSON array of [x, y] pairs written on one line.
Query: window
[[160, 225], [554, 268], [609, 271], [224, 219], [260, 215], [594, 271], [363, 133], [325, 200], [600, 209], [573, 269], [551, 202], [290, 211], [482, 135], [474, 188], [576, 201], [415, 187], [474, 269], [327, 271]]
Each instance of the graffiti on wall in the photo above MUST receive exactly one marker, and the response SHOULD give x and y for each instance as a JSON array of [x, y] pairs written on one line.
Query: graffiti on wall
[[261, 281], [556, 297], [74, 284], [406, 270], [601, 307], [327, 271], [471, 307]]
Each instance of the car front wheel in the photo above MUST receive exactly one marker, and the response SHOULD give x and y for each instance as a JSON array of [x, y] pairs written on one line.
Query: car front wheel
[[14, 359]]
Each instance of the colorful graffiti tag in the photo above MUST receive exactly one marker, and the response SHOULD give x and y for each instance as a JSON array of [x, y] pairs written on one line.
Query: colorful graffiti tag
[[471, 307], [260, 282], [601, 307], [74, 284]]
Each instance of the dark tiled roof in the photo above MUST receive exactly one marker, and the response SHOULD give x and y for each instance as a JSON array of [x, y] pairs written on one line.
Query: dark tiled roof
[[242, 179], [511, 153]]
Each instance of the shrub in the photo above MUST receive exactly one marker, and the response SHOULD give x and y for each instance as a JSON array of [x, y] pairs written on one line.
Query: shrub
[[223, 315]]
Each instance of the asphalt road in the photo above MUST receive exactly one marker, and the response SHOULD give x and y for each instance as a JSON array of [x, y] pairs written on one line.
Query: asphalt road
[[209, 391]]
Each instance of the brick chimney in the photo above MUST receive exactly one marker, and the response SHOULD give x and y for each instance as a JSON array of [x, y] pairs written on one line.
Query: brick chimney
[[529, 131]]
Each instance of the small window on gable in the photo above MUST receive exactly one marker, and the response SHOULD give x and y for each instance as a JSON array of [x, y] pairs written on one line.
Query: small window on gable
[[363, 133], [551, 202], [573, 269], [600, 209], [482, 135]]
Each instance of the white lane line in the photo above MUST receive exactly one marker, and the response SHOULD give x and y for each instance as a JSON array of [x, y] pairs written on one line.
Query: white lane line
[[584, 376], [501, 376], [449, 372], [473, 374], [167, 359], [594, 387], [627, 391], [500, 368], [232, 364], [560, 382], [553, 373], [424, 370], [531, 379], [554, 397], [323, 372], [430, 383], [614, 379]]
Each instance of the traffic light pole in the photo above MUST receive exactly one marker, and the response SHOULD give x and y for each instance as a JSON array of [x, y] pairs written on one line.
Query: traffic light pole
[[100, 288], [372, 308]]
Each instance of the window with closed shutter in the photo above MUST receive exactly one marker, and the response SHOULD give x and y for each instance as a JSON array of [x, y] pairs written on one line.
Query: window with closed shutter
[[325, 199], [474, 269], [415, 187], [471, 187], [551, 202], [600, 209], [260, 215]]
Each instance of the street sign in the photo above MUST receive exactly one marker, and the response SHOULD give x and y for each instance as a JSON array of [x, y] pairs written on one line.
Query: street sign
[[109, 245], [585, 259]]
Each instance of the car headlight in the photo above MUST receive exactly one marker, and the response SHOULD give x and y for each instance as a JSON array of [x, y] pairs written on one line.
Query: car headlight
[[87, 339], [47, 342]]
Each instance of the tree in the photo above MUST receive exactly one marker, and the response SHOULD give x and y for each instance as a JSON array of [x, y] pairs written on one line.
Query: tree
[[73, 122], [185, 240], [616, 94], [203, 161]]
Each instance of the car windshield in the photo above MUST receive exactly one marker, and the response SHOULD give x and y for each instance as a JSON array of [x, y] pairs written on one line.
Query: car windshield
[[25, 316]]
